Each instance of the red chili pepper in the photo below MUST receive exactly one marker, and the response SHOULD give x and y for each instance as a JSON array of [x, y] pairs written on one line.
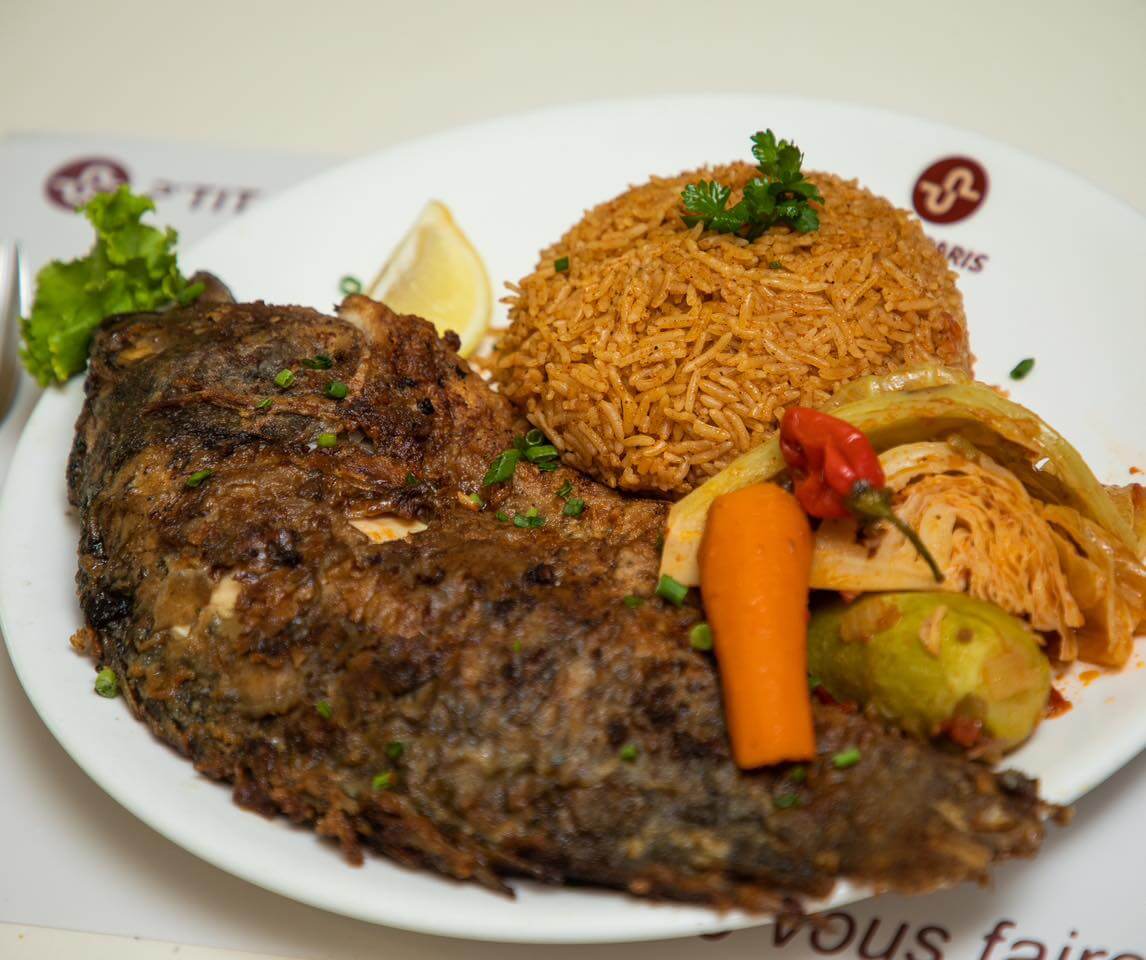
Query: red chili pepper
[[836, 473]]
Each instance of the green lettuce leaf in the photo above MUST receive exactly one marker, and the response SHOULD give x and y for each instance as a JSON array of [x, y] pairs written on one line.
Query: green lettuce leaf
[[131, 266]]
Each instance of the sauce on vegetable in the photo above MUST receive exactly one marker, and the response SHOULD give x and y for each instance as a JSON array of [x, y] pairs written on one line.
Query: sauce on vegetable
[[1057, 704]]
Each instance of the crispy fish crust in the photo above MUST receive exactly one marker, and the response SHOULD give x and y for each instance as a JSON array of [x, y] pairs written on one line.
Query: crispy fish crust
[[492, 675]]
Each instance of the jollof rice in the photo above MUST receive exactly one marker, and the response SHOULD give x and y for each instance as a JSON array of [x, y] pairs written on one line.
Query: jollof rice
[[663, 352]]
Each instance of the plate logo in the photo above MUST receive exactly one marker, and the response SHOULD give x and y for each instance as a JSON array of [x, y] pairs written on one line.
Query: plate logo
[[950, 190], [77, 181]]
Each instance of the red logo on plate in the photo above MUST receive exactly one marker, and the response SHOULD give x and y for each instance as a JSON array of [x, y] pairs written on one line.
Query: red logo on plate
[[77, 182], [950, 190]]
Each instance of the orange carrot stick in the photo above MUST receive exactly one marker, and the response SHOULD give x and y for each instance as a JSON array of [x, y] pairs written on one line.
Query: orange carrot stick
[[755, 561]]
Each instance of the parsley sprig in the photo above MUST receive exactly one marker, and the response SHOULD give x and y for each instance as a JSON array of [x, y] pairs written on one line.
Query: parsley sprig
[[780, 194]]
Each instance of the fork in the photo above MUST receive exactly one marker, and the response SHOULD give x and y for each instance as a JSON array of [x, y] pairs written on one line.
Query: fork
[[10, 313]]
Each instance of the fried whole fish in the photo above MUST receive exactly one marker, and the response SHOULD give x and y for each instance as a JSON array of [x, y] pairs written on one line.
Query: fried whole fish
[[478, 697]]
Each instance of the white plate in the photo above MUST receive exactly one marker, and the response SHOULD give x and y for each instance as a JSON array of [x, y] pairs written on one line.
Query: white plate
[[1062, 281]]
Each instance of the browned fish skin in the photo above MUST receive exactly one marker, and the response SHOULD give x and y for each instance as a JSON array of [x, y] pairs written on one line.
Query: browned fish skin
[[503, 660]]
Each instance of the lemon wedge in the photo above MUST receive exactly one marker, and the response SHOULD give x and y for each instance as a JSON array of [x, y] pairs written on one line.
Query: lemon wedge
[[436, 273]]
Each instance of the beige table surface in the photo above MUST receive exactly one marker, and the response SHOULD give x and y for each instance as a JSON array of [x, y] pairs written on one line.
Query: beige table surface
[[1064, 80]]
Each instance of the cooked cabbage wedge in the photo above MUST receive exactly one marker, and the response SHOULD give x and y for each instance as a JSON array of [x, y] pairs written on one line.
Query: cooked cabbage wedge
[[985, 531], [1007, 505]]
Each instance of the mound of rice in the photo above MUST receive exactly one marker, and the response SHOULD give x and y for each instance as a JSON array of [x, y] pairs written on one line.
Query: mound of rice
[[664, 352]]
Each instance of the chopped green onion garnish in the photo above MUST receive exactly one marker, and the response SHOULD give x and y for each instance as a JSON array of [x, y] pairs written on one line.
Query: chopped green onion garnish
[[798, 774], [325, 710], [561, 264], [382, 781], [350, 285], [846, 758], [107, 684], [502, 468], [337, 390], [395, 749], [531, 518], [775, 265], [628, 753], [198, 477], [320, 361], [476, 500], [535, 438], [814, 681], [787, 800], [632, 601], [671, 590], [502, 516], [1022, 368], [547, 466], [265, 403], [545, 451], [700, 637], [565, 489], [574, 507], [327, 440], [284, 378], [516, 646], [411, 480]]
